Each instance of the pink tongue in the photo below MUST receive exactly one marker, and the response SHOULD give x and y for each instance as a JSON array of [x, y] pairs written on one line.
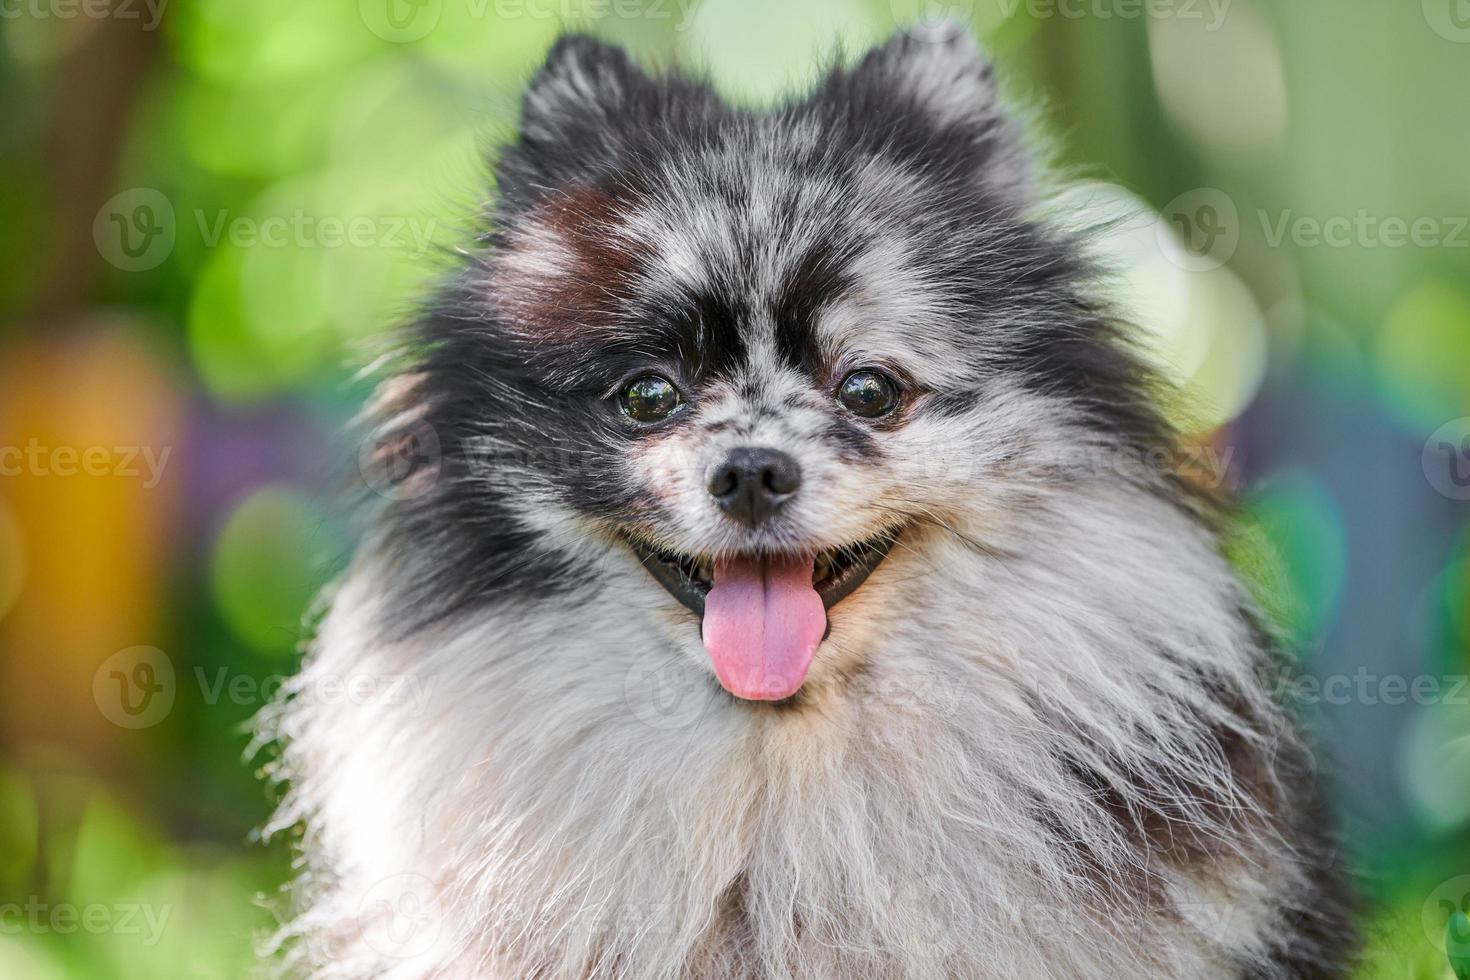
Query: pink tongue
[[762, 623]]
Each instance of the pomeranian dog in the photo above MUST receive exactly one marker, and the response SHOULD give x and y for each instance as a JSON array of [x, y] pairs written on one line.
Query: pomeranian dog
[[788, 580]]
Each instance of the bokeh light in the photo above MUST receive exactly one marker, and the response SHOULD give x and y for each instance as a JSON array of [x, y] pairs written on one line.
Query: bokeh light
[[261, 40], [1436, 755], [259, 130], [1422, 355], [267, 564], [1201, 328], [1292, 547], [1220, 79]]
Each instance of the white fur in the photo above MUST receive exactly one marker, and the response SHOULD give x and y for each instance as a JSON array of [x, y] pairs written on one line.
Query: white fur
[[580, 798]]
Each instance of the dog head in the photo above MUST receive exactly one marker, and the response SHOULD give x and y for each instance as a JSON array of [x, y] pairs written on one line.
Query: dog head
[[759, 351]]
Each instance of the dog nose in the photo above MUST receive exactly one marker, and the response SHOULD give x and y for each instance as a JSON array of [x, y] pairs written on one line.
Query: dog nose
[[751, 483]]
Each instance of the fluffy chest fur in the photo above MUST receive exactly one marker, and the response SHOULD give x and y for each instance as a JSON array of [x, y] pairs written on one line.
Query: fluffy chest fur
[[1040, 779]]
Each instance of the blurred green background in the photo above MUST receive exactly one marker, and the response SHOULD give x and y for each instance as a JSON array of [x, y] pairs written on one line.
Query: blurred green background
[[211, 207]]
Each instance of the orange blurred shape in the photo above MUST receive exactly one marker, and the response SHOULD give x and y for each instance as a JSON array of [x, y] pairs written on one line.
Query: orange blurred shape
[[89, 426]]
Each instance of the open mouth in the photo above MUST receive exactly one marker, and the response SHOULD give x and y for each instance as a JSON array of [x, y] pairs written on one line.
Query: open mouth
[[836, 573], [762, 617]]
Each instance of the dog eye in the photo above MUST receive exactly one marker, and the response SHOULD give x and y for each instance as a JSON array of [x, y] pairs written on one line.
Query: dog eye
[[871, 394], [649, 398]]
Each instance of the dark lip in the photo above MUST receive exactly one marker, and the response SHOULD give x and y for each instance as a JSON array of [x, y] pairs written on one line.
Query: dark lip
[[679, 576]]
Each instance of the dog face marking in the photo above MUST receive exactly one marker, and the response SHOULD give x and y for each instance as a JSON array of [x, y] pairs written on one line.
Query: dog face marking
[[753, 263]]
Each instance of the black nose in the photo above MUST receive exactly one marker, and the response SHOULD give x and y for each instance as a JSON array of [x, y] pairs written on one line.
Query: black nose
[[751, 483]]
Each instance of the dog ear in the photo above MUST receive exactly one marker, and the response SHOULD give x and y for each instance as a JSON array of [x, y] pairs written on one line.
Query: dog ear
[[580, 109], [583, 83], [940, 70]]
